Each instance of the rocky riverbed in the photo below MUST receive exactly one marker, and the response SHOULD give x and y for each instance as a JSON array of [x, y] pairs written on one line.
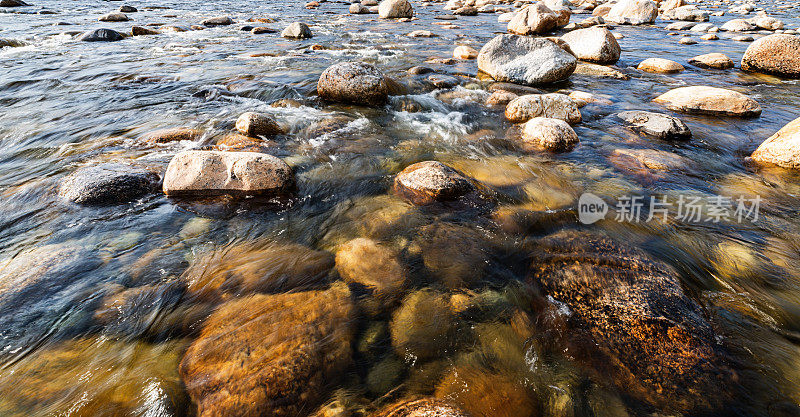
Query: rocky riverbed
[[408, 208]]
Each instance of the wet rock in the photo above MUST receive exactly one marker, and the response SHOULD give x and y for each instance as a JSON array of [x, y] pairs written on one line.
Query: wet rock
[[420, 70], [635, 12], [709, 100], [425, 407], [483, 392], [257, 124], [680, 26], [657, 125], [353, 82], [106, 184], [594, 44], [774, 54], [127, 9], [782, 148], [238, 142], [217, 21], [375, 266], [172, 134], [648, 335], [465, 52], [686, 41], [551, 134], [260, 267], [533, 19], [525, 60], [466, 11], [143, 311], [709, 37], [737, 25], [645, 161], [426, 182], [500, 98], [358, 8], [101, 35], [143, 31], [712, 60], [595, 70], [421, 34], [769, 23], [660, 65], [113, 17], [394, 9], [742, 38], [211, 173], [688, 13], [423, 327], [260, 30], [554, 106], [456, 256], [13, 3], [270, 354], [297, 30], [385, 375], [13, 43], [443, 81]]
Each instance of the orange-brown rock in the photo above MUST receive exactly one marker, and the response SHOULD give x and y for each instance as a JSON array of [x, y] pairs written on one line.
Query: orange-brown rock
[[646, 332], [173, 134], [424, 407], [483, 393], [238, 142], [373, 265], [426, 182], [782, 148], [270, 355]]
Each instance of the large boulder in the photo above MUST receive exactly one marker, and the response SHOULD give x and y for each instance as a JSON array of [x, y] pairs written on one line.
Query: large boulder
[[657, 125], [553, 105], [595, 44], [270, 355], [297, 30], [648, 335], [525, 60], [551, 134], [782, 148], [389, 9], [108, 184], [635, 12], [426, 182], [533, 19], [774, 54], [210, 173], [709, 100], [101, 35], [353, 82]]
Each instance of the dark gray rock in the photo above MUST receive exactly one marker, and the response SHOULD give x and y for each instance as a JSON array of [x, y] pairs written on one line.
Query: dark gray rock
[[101, 35], [657, 125], [108, 184], [13, 3]]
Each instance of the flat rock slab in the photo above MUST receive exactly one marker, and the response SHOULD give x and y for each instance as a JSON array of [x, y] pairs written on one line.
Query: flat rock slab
[[710, 100], [657, 125]]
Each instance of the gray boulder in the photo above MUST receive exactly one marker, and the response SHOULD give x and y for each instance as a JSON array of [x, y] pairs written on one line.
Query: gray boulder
[[657, 125], [392, 9], [525, 60], [108, 184], [595, 44]]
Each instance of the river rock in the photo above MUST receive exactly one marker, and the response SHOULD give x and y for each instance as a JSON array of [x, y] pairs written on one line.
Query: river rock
[[353, 82], [710, 37], [648, 161], [687, 41], [394, 9], [426, 182], [171, 134], [210, 173], [257, 124], [712, 60], [358, 8], [687, 13], [737, 25], [13, 3], [774, 54], [466, 11], [595, 70], [101, 35], [635, 12], [113, 17], [525, 60], [258, 267], [533, 19], [671, 4], [680, 26], [709, 100], [782, 148], [465, 52], [551, 134], [374, 266], [218, 21], [595, 44], [500, 98], [660, 65], [127, 9], [425, 407], [107, 184], [297, 30], [143, 31], [769, 23], [270, 355], [657, 125], [553, 105], [424, 326], [651, 339]]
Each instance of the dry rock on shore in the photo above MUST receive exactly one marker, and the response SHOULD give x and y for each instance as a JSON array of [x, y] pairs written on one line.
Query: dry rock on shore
[[210, 173], [595, 44], [709, 100], [774, 54], [782, 148], [525, 60], [353, 82]]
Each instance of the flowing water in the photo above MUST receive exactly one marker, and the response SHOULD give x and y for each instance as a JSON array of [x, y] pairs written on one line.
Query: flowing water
[[68, 104]]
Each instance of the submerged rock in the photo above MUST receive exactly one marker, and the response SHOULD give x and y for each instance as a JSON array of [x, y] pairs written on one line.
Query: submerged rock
[[484, 392], [425, 407], [782, 148], [774, 54], [375, 266], [533, 19], [646, 332], [456, 256], [551, 134], [262, 267], [554, 106], [394, 9], [297, 30], [423, 327], [271, 355], [635, 12], [257, 124], [101, 35], [712, 60], [657, 125], [11, 43], [427, 182], [210, 173], [709, 100], [353, 82], [595, 70], [108, 184], [595, 44], [525, 60]]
